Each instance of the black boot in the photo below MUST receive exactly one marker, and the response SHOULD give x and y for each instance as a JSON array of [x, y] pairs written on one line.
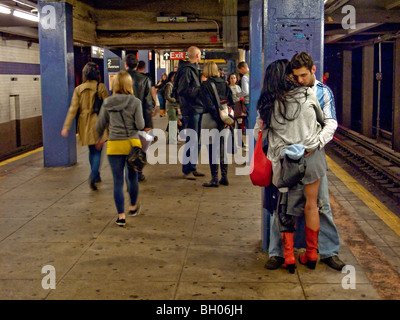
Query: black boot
[[224, 175], [214, 177]]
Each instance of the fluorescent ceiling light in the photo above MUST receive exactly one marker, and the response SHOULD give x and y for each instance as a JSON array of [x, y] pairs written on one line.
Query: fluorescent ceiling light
[[25, 15], [5, 10]]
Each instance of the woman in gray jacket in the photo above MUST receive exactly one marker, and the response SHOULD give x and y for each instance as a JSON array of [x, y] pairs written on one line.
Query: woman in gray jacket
[[292, 116], [122, 114]]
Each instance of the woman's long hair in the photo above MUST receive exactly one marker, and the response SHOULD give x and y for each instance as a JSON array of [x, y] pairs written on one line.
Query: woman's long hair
[[276, 86]]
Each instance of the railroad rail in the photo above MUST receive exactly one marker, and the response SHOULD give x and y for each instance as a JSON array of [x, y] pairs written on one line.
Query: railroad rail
[[378, 163]]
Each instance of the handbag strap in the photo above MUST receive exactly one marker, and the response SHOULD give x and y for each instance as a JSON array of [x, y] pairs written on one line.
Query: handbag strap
[[127, 132], [216, 94]]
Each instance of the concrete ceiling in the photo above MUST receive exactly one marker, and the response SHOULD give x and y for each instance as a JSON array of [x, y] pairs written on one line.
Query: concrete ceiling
[[132, 24]]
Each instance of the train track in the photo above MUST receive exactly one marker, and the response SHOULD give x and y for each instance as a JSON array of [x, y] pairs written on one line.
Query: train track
[[379, 164]]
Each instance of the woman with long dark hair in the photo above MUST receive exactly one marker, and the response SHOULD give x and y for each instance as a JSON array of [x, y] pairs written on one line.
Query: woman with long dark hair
[[292, 116], [82, 103]]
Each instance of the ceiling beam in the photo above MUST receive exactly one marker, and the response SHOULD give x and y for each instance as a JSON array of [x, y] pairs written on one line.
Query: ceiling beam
[[334, 5], [367, 16], [157, 39], [21, 31], [390, 4], [360, 27]]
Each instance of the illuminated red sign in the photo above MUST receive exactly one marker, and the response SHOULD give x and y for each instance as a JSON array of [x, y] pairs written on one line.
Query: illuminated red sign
[[179, 55]]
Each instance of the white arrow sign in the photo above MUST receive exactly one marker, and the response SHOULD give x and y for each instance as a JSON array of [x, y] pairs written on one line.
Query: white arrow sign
[[166, 56]]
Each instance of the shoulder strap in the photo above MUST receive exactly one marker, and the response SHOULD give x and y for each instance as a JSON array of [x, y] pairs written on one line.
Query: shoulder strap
[[127, 133], [216, 94]]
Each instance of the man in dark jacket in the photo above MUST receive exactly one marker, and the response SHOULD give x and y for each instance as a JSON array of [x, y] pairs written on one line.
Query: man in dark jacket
[[142, 91], [188, 89]]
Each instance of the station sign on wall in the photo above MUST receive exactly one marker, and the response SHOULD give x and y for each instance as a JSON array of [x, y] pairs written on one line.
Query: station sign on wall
[[113, 64]]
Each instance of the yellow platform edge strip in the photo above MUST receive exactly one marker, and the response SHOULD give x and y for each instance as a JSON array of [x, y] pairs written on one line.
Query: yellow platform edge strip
[[2, 163], [386, 215]]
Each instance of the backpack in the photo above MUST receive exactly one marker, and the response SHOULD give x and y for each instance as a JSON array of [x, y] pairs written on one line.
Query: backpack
[[97, 101]]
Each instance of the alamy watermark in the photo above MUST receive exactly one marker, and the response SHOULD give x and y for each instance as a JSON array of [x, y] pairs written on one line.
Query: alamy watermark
[[49, 280], [349, 20], [349, 280]]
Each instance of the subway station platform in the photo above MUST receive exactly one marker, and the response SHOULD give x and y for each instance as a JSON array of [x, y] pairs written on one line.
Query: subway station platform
[[188, 242]]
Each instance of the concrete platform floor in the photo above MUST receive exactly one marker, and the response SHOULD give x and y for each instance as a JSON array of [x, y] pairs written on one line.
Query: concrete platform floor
[[188, 242]]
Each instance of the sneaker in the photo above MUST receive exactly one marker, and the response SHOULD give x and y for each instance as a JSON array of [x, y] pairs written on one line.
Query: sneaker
[[134, 213], [120, 222], [92, 185]]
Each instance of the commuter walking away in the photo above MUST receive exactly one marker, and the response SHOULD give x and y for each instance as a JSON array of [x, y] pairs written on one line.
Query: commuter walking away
[[211, 120], [122, 115], [141, 90], [141, 68], [82, 104], [187, 83], [292, 117]]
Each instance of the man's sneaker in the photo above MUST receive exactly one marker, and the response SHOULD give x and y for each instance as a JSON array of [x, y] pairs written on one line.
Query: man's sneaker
[[134, 213], [274, 262], [120, 222]]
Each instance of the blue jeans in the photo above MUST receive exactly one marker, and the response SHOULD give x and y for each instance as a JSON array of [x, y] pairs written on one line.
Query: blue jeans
[[94, 160], [328, 238], [192, 121], [117, 164], [161, 100]]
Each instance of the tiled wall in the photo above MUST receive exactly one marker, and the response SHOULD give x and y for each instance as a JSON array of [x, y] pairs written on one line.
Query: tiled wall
[[20, 98]]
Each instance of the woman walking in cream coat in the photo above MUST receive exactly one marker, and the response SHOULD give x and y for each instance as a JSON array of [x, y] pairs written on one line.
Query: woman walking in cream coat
[[82, 102]]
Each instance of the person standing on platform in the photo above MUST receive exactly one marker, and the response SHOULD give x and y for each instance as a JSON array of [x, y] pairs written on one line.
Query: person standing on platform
[[187, 82], [82, 103], [172, 107], [212, 120], [122, 115], [160, 93], [293, 120], [303, 70], [141, 90], [243, 69]]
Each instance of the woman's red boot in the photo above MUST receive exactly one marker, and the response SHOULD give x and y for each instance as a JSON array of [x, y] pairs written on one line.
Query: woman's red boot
[[290, 260], [311, 255]]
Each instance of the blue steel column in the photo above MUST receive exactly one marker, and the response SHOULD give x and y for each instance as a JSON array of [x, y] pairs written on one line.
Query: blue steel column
[[290, 27], [57, 81], [256, 57], [256, 80]]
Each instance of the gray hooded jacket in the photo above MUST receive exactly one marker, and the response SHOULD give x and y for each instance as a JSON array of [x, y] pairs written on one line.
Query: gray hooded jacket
[[123, 115]]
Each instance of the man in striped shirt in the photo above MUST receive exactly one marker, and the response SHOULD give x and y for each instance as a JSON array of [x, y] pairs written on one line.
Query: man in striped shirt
[[303, 69]]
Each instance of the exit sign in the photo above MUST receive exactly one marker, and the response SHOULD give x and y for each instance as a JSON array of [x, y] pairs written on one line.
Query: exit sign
[[174, 55]]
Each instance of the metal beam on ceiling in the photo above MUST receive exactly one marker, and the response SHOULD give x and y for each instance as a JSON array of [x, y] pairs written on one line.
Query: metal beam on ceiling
[[360, 27]]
